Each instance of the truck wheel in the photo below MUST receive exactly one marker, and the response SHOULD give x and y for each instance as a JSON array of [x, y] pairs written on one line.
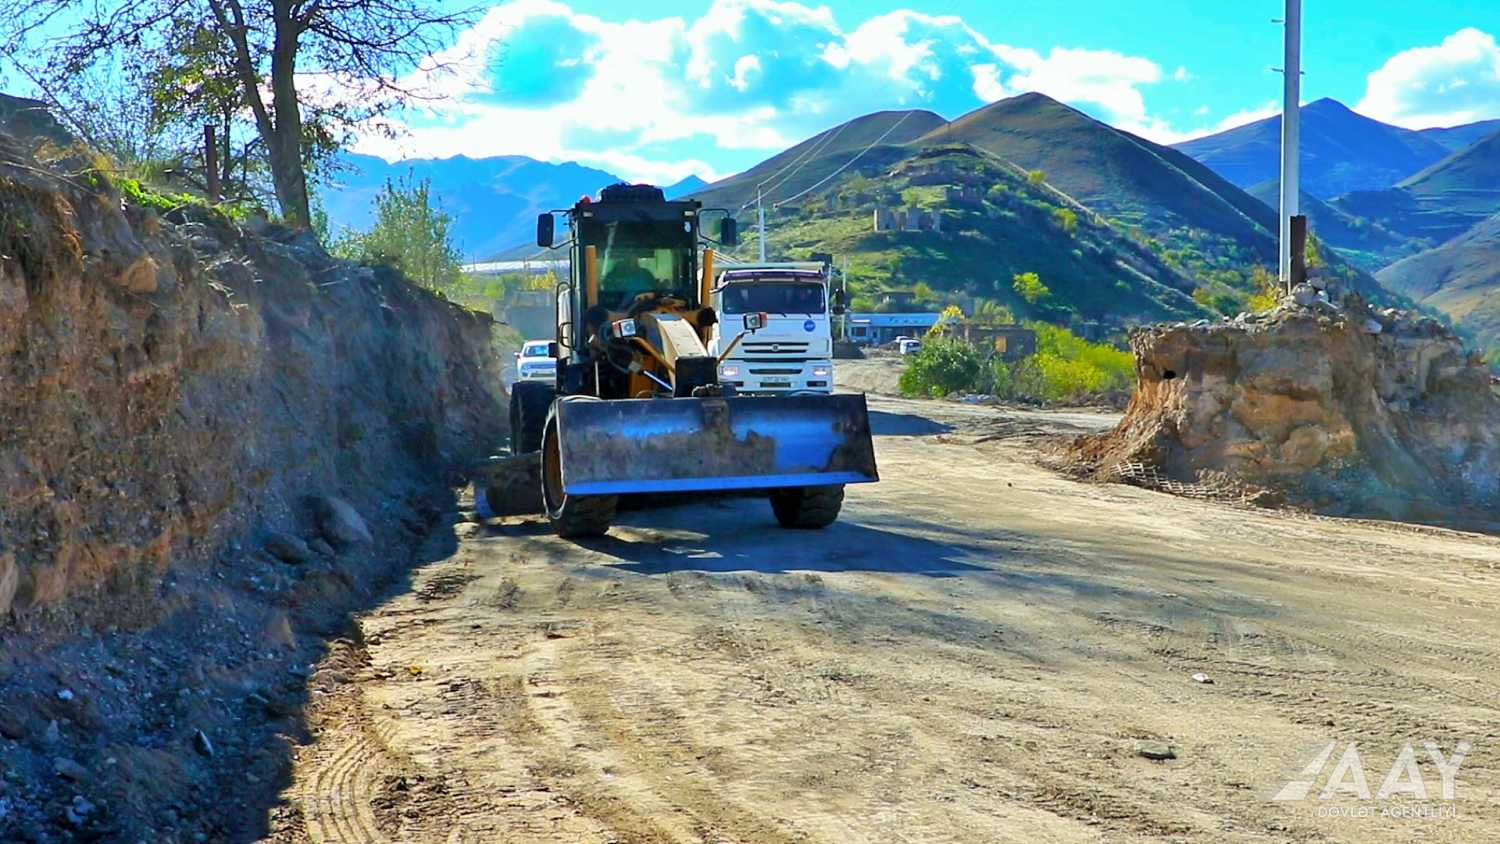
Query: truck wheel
[[529, 403], [807, 507], [572, 516]]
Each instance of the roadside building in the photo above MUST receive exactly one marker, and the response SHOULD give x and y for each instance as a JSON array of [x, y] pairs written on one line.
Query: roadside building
[[870, 329]]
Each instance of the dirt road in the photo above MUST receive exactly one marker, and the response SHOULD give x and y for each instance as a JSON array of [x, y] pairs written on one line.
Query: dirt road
[[980, 650]]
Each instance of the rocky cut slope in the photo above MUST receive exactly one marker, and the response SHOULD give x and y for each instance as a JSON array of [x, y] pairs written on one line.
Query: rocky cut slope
[[169, 386], [1347, 410]]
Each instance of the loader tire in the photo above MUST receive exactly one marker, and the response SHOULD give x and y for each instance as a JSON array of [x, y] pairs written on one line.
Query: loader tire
[[572, 516], [807, 507], [529, 403]]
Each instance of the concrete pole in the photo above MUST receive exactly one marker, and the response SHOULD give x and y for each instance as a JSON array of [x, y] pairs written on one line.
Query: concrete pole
[[760, 212], [1291, 119]]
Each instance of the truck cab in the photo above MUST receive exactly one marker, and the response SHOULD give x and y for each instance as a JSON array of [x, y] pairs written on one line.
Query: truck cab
[[793, 352]]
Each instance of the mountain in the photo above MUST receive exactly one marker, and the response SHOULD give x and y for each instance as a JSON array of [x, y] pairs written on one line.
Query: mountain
[[1139, 195], [493, 201], [800, 167], [1368, 245], [1441, 201], [1113, 172], [1342, 150], [994, 223], [1460, 278], [1456, 138], [690, 185]]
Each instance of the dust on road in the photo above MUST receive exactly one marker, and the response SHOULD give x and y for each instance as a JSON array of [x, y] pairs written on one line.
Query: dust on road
[[979, 650]]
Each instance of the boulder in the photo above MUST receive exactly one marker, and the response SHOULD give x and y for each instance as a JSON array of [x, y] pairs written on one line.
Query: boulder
[[287, 548], [340, 523], [10, 578]]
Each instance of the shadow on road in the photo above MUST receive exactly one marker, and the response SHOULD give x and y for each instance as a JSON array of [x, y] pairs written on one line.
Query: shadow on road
[[887, 424]]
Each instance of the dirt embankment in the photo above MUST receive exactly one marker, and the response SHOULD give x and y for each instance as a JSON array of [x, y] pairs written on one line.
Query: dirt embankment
[[214, 443], [1344, 409], [168, 388]]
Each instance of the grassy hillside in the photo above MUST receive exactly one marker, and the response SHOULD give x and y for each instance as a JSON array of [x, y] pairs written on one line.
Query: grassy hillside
[[1208, 229], [1461, 278], [1366, 244], [1012, 226], [1342, 151], [1115, 173]]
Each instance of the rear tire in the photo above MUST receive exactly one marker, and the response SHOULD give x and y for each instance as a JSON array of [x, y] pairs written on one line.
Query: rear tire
[[572, 516], [807, 507], [529, 403]]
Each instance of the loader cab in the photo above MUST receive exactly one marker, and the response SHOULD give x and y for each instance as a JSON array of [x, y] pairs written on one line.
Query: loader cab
[[630, 251], [637, 243]]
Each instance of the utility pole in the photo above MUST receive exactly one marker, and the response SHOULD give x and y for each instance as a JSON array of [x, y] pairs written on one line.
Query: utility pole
[[1291, 119], [760, 212]]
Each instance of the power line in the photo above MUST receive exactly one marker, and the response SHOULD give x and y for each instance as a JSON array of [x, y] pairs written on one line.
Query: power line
[[846, 164], [817, 144]]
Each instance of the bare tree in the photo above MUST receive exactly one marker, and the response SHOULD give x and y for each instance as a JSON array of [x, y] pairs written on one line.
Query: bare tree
[[360, 46]]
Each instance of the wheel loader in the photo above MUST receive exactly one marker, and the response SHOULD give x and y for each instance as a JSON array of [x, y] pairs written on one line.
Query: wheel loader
[[637, 406]]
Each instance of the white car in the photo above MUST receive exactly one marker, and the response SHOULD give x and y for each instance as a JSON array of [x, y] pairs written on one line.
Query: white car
[[908, 346], [534, 362]]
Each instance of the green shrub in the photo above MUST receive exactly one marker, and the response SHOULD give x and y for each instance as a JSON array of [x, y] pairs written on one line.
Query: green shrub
[[1065, 219], [1029, 286], [943, 365], [1065, 368]]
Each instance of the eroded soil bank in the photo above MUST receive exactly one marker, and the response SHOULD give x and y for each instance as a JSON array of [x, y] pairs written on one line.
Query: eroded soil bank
[[215, 442]]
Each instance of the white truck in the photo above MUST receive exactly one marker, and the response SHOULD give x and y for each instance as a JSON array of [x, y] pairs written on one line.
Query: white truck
[[793, 353]]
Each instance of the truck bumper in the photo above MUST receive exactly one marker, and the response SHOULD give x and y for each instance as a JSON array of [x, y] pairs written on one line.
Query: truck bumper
[[779, 379]]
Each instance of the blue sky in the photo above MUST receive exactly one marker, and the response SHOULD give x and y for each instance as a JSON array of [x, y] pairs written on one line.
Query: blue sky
[[663, 89]]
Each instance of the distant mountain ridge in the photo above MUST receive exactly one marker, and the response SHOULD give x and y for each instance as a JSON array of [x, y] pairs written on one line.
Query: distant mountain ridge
[[1440, 202], [493, 201], [1342, 150]]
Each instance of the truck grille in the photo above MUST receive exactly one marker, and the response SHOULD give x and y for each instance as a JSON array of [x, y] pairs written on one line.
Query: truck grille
[[790, 349]]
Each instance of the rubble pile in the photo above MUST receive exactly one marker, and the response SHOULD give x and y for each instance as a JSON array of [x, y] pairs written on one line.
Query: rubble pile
[[1344, 408]]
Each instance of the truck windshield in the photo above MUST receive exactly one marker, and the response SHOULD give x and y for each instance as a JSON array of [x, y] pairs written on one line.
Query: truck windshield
[[650, 256], [780, 297]]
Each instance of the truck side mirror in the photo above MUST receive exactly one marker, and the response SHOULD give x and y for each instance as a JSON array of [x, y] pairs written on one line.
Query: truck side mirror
[[755, 322], [552, 349], [729, 231], [544, 230]]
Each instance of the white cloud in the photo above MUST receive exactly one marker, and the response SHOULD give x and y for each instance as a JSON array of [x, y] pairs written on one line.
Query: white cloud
[[647, 99], [1181, 74], [1457, 81]]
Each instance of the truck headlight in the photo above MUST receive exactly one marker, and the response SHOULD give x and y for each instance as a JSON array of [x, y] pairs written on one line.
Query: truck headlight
[[820, 371], [729, 372]]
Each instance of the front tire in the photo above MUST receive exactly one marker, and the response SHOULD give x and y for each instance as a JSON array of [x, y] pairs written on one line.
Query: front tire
[[572, 516], [529, 403], [807, 507]]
